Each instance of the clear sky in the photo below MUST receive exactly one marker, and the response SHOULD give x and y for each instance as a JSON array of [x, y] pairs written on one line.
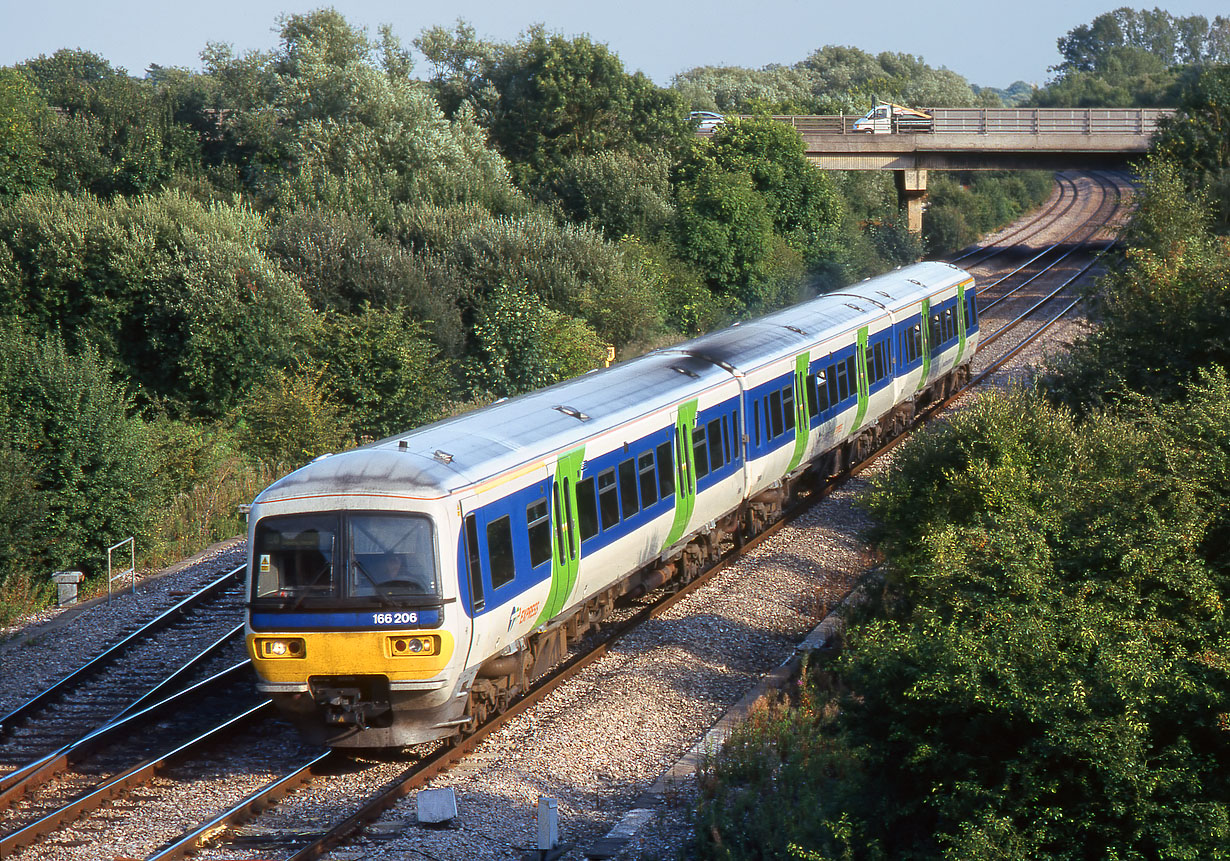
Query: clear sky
[[991, 43]]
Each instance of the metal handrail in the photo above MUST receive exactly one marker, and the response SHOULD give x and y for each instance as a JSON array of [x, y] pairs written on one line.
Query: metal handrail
[[132, 565]]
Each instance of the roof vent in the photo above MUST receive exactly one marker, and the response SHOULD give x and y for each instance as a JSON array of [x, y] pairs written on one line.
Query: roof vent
[[915, 281], [442, 456], [402, 445], [797, 330], [687, 372], [571, 411], [855, 307], [721, 363], [885, 295]]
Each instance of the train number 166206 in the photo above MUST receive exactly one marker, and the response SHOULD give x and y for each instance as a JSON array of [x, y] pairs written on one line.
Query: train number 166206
[[395, 618]]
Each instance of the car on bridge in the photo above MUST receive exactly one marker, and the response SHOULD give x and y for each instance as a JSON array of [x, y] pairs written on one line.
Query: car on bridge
[[706, 121], [887, 118]]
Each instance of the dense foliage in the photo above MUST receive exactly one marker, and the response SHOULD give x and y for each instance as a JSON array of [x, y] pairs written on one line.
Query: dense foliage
[[1043, 670], [294, 250], [1133, 57]]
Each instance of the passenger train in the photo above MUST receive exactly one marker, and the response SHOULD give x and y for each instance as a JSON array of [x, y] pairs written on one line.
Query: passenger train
[[401, 592]]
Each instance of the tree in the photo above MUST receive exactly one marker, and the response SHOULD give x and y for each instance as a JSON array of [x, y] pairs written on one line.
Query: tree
[[320, 122], [21, 154], [81, 462], [617, 192], [1173, 41], [753, 214], [382, 368], [546, 98], [724, 229], [179, 294], [1197, 139], [110, 134], [522, 345]]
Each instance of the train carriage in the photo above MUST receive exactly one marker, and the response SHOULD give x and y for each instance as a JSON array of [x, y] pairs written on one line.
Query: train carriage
[[401, 591]]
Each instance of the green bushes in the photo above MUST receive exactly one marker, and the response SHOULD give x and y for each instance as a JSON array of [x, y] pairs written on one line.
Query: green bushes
[[180, 295], [77, 464], [1043, 673], [962, 207]]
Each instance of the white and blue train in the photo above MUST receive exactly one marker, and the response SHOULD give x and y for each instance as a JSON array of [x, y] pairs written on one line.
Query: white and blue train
[[402, 591]]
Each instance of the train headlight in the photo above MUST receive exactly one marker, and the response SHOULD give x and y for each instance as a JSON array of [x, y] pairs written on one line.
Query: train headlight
[[282, 647], [404, 647]]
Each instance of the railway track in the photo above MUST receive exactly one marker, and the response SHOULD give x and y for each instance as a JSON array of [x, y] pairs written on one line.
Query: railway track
[[1014, 238], [197, 636], [297, 830]]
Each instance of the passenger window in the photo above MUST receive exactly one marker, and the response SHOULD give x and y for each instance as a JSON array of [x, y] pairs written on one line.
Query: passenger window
[[474, 558], [700, 452], [649, 484], [666, 470], [813, 403], [788, 407], [756, 417], [539, 532], [500, 551], [627, 487], [567, 524], [822, 393], [560, 529], [843, 382], [834, 398], [852, 375], [587, 509], [937, 335], [608, 499], [775, 414], [715, 445]]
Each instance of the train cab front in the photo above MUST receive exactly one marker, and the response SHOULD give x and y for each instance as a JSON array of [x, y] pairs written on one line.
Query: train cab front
[[349, 628]]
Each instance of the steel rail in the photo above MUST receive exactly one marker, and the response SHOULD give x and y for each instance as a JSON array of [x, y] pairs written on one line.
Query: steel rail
[[247, 809], [995, 336], [42, 700], [1102, 179], [122, 782], [1043, 253], [38, 772], [1067, 185]]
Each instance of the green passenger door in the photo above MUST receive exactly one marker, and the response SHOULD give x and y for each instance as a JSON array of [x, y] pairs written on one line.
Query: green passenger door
[[685, 474], [565, 533]]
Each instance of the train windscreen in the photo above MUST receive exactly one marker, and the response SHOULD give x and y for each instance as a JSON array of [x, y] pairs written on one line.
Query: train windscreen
[[351, 559], [294, 557], [391, 555]]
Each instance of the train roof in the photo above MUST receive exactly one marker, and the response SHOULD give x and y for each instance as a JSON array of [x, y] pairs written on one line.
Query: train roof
[[455, 453], [449, 455], [787, 332]]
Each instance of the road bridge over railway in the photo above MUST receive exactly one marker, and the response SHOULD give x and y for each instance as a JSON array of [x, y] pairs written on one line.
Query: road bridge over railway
[[981, 139]]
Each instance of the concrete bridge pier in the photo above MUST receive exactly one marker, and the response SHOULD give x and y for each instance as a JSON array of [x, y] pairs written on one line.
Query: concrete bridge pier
[[911, 192]]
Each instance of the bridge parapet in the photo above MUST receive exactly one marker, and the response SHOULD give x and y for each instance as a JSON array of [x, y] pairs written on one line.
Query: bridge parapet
[[993, 121]]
